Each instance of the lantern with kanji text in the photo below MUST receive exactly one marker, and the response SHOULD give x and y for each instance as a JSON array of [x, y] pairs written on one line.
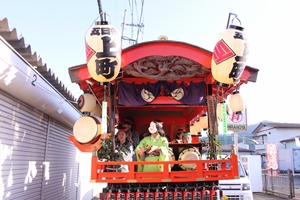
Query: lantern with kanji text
[[103, 52], [229, 55]]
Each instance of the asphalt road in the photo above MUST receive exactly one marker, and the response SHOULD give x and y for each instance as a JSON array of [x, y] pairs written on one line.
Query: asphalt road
[[265, 196]]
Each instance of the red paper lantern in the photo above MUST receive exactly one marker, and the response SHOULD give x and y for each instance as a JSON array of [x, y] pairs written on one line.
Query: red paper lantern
[[229, 56], [103, 52]]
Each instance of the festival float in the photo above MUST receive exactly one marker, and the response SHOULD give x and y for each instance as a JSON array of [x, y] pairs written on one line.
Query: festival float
[[179, 83]]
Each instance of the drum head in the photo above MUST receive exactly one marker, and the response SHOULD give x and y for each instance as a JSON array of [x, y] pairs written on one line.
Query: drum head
[[190, 153], [86, 129], [171, 156]]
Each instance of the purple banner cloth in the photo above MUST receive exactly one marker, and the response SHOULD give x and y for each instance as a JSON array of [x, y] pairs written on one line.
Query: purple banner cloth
[[130, 94]]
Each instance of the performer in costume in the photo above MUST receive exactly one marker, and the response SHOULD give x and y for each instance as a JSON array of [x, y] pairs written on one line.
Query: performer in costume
[[186, 137], [178, 137], [132, 134], [124, 147], [153, 147]]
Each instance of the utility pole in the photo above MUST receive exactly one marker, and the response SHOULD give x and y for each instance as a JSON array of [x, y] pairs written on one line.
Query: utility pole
[[100, 9], [139, 26], [236, 141]]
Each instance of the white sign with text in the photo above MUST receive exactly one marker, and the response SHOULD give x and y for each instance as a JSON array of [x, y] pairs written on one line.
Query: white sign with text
[[237, 122]]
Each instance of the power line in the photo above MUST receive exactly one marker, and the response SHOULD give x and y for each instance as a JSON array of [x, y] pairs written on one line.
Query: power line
[[132, 24]]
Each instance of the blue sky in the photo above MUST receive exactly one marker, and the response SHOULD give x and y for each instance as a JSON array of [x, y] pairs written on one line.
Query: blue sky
[[56, 30]]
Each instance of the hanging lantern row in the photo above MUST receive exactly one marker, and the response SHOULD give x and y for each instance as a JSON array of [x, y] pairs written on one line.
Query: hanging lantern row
[[87, 129], [201, 124], [220, 111], [193, 130], [103, 52], [198, 127], [204, 121], [236, 105], [88, 106], [230, 55]]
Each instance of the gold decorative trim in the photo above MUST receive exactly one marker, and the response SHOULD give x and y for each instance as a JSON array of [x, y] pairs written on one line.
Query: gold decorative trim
[[131, 180]]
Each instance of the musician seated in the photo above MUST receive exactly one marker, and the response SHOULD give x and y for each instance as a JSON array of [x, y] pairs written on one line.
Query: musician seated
[[178, 137], [186, 137]]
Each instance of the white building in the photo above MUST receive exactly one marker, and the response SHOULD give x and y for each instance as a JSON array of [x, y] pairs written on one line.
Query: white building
[[283, 135], [289, 158], [37, 114], [274, 133]]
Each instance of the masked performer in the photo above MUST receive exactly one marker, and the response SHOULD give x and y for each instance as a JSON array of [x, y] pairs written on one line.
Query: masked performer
[[153, 147]]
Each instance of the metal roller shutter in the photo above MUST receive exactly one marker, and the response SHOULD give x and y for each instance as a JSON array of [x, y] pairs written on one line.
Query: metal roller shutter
[[63, 164], [36, 159]]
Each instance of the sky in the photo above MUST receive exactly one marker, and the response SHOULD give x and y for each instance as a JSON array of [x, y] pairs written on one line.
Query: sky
[[56, 32]]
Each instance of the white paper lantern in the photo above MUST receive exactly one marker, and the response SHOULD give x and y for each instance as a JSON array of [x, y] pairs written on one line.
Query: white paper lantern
[[198, 127], [219, 111], [229, 55], [237, 103], [97, 111], [103, 52], [204, 121], [86, 103], [193, 130]]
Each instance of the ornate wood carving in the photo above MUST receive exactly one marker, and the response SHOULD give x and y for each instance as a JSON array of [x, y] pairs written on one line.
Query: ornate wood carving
[[165, 68]]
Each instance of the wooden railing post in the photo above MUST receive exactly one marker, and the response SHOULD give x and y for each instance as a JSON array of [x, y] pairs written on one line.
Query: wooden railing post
[[94, 167]]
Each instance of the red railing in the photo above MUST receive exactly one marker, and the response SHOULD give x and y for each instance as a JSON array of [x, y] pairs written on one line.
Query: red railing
[[206, 170]]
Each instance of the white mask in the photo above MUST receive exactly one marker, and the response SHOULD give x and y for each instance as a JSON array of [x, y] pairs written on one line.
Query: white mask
[[152, 128]]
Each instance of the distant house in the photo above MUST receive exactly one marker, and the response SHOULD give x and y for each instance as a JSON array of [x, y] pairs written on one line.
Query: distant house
[[283, 135], [289, 158], [274, 133], [242, 151], [226, 150], [290, 143]]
